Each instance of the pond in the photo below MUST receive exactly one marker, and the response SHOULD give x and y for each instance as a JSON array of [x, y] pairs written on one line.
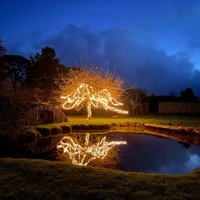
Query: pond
[[143, 152], [146, 153]]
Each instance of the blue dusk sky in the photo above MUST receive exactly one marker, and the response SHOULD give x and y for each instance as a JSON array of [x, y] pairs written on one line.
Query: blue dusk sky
[[151, 44]]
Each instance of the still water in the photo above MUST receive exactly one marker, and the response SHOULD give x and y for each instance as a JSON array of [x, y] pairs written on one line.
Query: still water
[[146, 153]]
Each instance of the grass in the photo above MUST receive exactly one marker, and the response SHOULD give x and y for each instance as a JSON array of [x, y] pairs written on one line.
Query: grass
[[175, 120], [39, 179], [80, 123]]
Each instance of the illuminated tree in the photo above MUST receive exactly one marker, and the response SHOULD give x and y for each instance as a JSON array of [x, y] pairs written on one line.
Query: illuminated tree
[[92, 88]]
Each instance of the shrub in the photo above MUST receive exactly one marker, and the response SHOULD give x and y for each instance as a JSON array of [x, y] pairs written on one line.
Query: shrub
[[56, 130], [66, 129], [44, 130], [28, 135]]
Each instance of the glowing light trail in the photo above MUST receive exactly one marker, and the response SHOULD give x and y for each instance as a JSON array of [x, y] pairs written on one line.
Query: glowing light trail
[[82, 155], [86, 93]]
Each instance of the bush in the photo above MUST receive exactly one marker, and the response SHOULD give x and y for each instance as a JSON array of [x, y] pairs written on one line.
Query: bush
[[28, 135], [76, 127], [66, 129], [56, 130], [44, 130]]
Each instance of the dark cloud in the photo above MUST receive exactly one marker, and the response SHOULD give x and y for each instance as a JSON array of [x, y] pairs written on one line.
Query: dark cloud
[[77, 45], [26, 44], [179, 25], [131, 55]]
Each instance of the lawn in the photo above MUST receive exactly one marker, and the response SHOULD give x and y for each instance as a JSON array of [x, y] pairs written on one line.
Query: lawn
[[164, 119], [39, 179], [81, 123]]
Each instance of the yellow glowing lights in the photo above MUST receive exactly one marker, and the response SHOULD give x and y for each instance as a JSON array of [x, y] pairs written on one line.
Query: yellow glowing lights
[[85, 93], [83, 154]]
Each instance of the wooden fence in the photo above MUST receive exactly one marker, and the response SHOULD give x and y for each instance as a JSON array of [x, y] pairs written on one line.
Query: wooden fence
[[179, 107], [42, 114]]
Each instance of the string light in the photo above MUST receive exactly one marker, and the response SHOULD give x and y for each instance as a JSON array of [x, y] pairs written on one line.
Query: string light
[[86, 93], [83, 155]]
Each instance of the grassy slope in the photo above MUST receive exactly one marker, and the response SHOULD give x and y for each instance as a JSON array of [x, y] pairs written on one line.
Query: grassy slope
[[38, 179]]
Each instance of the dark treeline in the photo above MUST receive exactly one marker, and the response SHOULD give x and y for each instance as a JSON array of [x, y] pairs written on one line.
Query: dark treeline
[[38, 74], [39, 71]]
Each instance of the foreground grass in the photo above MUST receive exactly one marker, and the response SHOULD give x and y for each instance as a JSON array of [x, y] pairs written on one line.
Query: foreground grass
[[38, 179], [164, 119]]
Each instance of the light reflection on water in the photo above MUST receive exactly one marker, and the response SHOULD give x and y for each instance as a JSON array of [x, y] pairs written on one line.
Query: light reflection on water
[[145, 153]]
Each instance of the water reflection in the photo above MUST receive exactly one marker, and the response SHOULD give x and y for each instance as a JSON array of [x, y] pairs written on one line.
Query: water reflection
[[80, 150], [144, 153], [185, 145]]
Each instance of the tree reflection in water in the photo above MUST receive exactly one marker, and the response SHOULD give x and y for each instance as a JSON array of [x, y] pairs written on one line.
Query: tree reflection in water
[[84, 149]]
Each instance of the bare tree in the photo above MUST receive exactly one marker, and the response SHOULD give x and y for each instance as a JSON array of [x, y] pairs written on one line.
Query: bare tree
[[134, 99], [87, 88]]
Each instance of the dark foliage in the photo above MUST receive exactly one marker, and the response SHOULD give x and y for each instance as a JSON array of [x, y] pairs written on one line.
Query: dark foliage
[[44, 72], [2, 48], [15, 69], [188, 95]]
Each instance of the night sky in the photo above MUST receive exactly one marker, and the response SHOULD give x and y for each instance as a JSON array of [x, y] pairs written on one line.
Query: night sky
[[152, 44]]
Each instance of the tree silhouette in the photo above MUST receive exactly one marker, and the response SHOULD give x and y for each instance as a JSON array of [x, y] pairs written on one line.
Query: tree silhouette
[[2, 48], [2, 66], [15, 68], [188, 95], [43, 73]]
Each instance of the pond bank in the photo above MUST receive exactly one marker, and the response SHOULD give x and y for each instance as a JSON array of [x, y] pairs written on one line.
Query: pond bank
[[49, 135], [186, 135], [181, 134]]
